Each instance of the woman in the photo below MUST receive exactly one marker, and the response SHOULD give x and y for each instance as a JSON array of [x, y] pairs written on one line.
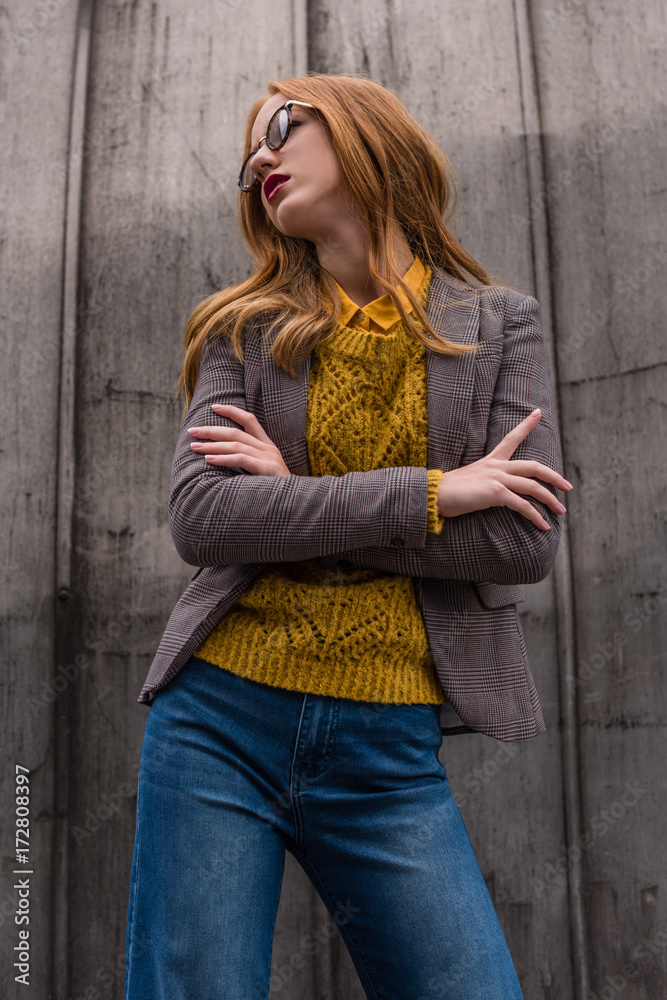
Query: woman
[[359, 539]]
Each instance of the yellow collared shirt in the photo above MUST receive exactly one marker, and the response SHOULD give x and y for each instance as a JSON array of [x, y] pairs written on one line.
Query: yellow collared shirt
[[380, 314]]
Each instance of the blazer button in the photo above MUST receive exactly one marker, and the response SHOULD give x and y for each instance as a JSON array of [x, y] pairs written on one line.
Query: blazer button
[[345, 565], [398, 541]]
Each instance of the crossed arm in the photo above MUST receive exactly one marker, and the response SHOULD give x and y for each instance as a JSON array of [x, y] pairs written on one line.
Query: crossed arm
[[378, 519]]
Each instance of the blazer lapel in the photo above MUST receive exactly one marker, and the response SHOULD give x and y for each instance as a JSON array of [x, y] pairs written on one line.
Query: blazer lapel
[[452, 311]]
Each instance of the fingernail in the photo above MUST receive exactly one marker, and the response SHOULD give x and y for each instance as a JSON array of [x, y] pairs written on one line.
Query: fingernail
[[194, 430], [569, 485], [535, 412]]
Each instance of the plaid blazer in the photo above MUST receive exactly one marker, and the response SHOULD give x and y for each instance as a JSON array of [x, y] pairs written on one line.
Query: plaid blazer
[[230, 524]]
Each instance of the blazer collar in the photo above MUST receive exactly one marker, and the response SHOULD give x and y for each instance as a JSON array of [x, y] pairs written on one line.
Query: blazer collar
[[453, 310]]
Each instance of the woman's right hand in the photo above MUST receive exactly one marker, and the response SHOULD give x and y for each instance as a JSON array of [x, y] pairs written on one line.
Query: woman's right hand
[[494, 481]]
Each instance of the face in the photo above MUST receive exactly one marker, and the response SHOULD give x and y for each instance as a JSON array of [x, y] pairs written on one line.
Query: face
[[310, 202]]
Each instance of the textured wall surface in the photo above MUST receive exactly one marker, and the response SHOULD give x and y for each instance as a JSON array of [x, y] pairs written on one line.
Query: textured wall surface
[[122, 128]]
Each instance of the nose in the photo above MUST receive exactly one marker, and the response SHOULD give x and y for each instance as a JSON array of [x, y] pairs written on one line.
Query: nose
[[263, 160]]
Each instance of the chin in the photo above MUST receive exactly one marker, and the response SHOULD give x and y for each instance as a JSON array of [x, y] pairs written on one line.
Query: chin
[[290, 224]]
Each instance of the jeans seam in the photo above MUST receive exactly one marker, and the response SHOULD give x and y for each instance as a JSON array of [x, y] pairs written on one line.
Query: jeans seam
[[273, 931], [298, 824], [333, 732], [344, 931], [133, 900]]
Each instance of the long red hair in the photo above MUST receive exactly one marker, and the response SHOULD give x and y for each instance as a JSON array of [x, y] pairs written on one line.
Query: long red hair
[[395, 169]]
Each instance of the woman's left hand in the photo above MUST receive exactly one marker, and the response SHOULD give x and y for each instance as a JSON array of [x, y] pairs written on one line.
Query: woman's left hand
[[250, 449]]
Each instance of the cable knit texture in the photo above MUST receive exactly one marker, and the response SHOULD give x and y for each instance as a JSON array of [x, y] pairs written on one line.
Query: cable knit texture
[[350, 633]]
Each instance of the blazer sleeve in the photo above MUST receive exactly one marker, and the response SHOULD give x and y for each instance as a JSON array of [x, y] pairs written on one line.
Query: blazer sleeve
[[376, 520], [221, 515], [498, 544]]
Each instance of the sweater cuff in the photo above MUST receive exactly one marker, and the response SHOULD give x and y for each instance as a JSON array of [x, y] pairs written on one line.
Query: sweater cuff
[[434, 520]]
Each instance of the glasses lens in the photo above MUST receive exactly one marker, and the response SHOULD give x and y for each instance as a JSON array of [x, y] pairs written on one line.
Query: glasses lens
[[247, 178], [278, 128]]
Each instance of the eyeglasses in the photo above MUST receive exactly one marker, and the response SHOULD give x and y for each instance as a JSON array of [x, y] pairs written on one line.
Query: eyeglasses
[[277, 132]]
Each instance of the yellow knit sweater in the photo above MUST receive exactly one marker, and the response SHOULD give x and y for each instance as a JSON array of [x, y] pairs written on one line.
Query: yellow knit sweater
[[350, 633]]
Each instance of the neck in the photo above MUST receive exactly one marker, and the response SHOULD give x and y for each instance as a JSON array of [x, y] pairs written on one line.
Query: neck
[[345, 256]]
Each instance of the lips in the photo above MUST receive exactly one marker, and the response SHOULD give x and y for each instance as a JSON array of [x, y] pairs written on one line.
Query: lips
[[272, 182]]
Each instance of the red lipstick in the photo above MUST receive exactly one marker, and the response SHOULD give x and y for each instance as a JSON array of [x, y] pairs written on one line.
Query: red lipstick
[[272, 183]]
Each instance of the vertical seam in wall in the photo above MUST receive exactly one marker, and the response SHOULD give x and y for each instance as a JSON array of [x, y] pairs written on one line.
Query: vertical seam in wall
[[566, 639], [65, 491]]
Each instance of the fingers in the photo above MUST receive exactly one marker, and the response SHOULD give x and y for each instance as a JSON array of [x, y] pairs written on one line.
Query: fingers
[[530, 486], [253, 432], [250, 449], [237, 460], [258, 459], [253, 464], [225, 450], [227, 434], [508, 445], [529, 467], [526, 508], [536, 470], [248, 420]]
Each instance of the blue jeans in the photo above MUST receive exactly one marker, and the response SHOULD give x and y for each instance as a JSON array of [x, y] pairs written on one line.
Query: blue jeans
[[233, 772]]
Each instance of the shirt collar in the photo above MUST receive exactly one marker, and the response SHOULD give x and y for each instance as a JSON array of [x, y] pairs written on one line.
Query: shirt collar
[[382, 310]]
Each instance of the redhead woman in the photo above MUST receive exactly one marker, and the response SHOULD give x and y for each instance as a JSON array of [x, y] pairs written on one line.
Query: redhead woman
[[368, 469]]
